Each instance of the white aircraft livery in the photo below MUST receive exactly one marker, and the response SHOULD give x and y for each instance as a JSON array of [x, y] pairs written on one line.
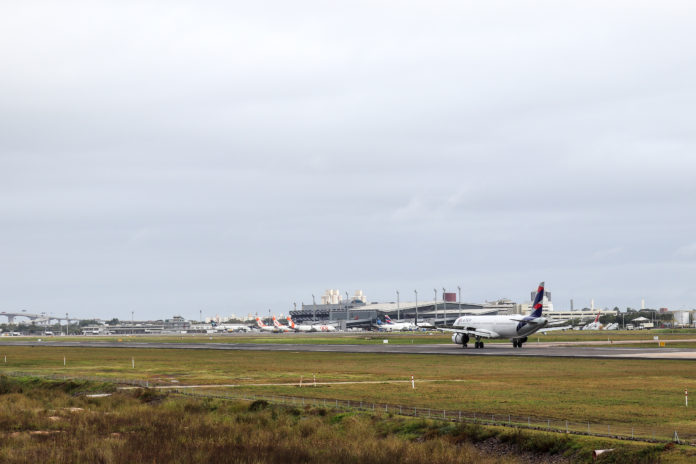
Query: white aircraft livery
[[515, 327]]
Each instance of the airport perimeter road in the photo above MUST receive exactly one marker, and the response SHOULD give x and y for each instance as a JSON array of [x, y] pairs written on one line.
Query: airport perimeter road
[[548, 350]]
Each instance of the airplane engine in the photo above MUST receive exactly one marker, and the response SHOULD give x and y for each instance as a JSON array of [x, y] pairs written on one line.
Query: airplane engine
[[460, 339]]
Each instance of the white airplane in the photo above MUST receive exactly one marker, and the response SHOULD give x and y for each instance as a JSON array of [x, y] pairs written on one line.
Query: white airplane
[[325, 328], [390, 325], [264, 327], [310, 328], [515, 327], [231, 327], [595, 325], [281, 327], [300, 327]]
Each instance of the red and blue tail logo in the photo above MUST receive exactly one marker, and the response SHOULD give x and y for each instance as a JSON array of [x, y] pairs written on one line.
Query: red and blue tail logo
[[387, 318], [536, 307], [538, 301]]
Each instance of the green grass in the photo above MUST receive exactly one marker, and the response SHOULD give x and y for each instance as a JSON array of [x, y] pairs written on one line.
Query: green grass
[[646, 394], [44, 421]]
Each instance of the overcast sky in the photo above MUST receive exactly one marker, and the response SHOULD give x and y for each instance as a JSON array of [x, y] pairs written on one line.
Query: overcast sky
[[236, 157]]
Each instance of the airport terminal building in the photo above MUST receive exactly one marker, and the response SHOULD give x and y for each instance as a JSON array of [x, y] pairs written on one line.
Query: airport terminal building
[[357, 312]]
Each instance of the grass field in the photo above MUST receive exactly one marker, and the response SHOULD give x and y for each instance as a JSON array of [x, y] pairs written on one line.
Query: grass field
[[51, 421], [643, 393]]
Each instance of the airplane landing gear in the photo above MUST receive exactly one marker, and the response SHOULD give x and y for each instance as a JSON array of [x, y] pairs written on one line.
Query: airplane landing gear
[[517, 343], [479, 343], [465, 340]]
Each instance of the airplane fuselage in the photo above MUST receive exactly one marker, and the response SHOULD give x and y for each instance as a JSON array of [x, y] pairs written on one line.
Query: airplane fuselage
[[503, 326]]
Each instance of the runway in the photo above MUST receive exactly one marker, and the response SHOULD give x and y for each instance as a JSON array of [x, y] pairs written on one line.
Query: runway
[[564, 350]]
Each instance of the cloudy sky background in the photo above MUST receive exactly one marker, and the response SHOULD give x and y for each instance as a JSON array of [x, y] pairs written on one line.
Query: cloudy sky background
[[171, 157]]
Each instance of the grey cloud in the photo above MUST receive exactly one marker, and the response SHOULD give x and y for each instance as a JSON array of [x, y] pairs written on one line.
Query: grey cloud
[[232, 157]]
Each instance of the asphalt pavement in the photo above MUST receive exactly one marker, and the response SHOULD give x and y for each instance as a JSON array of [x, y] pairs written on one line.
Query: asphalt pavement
[[565, 350]]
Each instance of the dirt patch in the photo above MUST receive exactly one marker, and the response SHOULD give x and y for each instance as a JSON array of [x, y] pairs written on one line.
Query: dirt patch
[[498, 448]]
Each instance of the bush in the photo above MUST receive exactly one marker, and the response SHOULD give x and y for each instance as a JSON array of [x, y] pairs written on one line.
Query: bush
[[258, 405]]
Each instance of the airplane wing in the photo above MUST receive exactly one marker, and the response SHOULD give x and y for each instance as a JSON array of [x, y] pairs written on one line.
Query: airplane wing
[[556, 323], [549, 329], [472, 331], [528, 321]]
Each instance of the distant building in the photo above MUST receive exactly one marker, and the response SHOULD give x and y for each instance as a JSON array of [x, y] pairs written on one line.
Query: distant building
[[546, 304]]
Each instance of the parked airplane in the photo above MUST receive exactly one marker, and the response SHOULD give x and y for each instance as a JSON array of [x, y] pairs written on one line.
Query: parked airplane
[[281, 327], [300, 327], [264, 327], [399, 325], [425, 324], [515, 327], [594, 325], [310, 328], [390, 325], [231, 327], [325, 328]]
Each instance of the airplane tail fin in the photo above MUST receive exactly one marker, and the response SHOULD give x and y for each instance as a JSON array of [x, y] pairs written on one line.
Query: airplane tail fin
[[538, 301], [275, 322], [259, 322], [387, 318], [291, 323]]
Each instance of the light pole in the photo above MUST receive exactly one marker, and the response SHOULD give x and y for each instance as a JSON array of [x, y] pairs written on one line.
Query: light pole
[[347, 310], [200, 315], [67, 325], [435, 304], [314, 309], [132, 323], [444, 305], [460, 300], [416, 292], [398, 310]]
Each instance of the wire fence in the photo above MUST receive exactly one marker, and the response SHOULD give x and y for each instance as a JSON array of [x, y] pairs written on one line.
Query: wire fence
[[617, 430], [623, 431]]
